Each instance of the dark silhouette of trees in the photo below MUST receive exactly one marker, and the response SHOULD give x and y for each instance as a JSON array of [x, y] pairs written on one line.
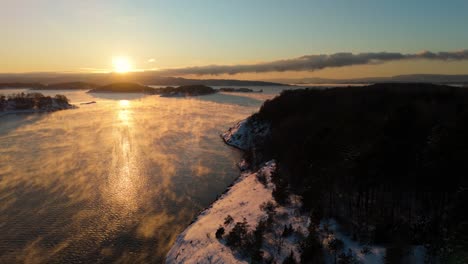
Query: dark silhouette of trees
[[186, 90], [238, 235], [219, 233], [32, 101], [383, 156], [290, 259], [228, 220], [335, 246]]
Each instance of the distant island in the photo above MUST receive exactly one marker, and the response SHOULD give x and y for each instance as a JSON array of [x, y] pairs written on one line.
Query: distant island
[[123, 87], [185, 90], [181, 91], [33, 102], [239, 90]]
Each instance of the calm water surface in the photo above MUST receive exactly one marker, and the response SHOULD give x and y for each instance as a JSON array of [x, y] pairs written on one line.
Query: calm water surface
[[114, 181]]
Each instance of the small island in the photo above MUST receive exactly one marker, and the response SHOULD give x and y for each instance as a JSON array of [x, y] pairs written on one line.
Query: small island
[[123, 87], [181, 91], [239, 90], [33, 103], [185, 90]]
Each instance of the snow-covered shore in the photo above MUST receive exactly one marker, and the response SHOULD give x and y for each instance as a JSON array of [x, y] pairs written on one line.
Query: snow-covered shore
[[198, 244], [244, 201], [244, 133]]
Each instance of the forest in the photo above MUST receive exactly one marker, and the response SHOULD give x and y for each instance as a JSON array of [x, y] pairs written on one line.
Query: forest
[[388, 161]]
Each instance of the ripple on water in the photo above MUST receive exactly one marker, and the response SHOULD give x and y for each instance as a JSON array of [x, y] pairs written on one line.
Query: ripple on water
[[115, 180]]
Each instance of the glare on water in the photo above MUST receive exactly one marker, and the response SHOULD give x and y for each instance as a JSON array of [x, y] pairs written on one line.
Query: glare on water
[[116, 180]]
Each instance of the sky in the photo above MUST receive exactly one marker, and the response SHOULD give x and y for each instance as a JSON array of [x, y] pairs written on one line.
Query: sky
[[87, 35]]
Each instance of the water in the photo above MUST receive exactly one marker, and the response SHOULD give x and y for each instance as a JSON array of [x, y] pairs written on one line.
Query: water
[[114, 181]]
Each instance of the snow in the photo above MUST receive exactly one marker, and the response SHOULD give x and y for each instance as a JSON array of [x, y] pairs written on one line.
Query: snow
[[245, 132], [329, 229], [198, 244], [277, 247]]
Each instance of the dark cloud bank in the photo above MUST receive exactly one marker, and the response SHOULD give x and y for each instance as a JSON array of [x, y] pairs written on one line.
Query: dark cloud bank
[[318, 62]]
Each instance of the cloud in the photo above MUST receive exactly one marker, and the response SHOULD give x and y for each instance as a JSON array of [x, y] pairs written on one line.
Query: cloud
[[151, 60], [317, 62]]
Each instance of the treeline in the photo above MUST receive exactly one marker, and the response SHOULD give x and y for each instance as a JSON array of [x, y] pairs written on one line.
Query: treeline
[[188, 90], [388, 161], [30, 101]]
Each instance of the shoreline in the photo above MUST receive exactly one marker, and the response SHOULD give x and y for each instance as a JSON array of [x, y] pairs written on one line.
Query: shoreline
[[243, 200]]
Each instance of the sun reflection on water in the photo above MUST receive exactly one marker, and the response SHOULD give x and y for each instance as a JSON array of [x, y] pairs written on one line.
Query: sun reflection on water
[[124, 178], [111, 182], [124, 103]]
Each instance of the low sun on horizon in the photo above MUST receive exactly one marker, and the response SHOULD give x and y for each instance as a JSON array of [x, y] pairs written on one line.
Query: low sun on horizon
[[121, 64]]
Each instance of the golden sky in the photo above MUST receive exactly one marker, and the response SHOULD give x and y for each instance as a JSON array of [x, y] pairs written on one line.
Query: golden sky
[[87, 36]]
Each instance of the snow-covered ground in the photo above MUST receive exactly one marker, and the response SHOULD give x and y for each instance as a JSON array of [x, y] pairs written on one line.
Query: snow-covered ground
[[243, 134], [276, 247], [198, 244], [243, 201], [329, 229]]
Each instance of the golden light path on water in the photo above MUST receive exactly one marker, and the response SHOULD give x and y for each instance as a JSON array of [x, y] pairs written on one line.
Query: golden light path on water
[[114, 181], [124, 176]]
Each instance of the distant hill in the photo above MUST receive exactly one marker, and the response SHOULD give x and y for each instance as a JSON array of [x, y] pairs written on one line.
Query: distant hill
[[123, 88], [208, 82], [146, 78], [10, 85], [409, 78], [68, 86], [53, 86]]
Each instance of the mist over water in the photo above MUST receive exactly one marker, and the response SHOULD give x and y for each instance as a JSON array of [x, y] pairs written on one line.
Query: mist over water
[[116, 180]]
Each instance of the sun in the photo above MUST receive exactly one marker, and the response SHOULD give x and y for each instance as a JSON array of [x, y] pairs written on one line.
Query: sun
[[121, 64]]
